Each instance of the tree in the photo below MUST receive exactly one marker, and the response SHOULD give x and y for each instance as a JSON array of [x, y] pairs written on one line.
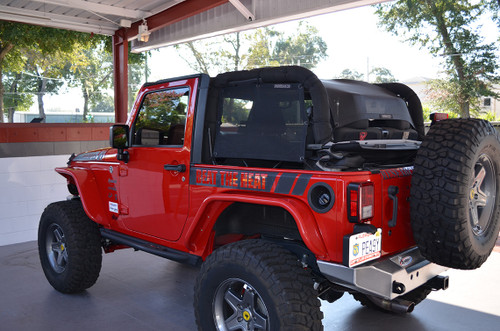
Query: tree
[[17, 38], [306, 48], [260, 50], [45, 73], [350, 74], [17, 95], [382, 75], [263, 47], [448, 28], [494, 7], [92, 73]]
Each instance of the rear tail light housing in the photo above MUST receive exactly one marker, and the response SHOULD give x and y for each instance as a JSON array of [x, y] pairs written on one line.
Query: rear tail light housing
[[436, 117], [360, 202]]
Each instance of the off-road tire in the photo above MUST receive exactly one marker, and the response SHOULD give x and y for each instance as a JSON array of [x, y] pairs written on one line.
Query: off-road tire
[[279, 285], [69, 245], [455, 191]]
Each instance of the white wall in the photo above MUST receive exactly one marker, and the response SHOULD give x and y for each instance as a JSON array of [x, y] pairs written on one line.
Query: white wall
[[27, 186]]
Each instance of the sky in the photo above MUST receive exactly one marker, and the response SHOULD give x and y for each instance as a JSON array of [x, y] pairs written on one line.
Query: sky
[[353, 40]]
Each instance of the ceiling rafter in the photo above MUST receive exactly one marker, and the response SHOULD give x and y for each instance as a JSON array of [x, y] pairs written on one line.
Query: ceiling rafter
[[56, 20], [99, 8]]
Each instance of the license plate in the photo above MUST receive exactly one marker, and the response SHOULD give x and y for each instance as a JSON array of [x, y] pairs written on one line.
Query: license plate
[[364, 247]]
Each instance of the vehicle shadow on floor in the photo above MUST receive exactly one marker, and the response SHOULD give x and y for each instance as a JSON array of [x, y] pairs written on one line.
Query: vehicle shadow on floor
[[347, 314]]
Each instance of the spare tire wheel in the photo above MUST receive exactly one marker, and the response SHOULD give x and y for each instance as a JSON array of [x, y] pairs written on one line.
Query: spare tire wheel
[[455, 192]]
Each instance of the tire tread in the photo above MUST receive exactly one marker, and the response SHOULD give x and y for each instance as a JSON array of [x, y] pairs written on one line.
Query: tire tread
[[292, 286]]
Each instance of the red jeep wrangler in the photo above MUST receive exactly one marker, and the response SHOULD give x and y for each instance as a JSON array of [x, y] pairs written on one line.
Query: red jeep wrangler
[[284, 188]]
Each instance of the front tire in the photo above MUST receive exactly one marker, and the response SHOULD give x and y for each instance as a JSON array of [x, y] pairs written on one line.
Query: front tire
[[255, 285], [69, 245]]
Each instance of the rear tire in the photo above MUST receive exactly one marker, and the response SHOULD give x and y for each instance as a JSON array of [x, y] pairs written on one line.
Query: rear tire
[[255, 285], [455, 191], [69, 245]]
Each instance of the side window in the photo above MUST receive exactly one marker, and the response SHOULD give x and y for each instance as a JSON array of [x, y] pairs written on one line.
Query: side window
[[162, 118]]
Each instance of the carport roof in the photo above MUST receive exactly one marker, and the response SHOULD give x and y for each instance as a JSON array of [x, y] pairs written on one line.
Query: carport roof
[[97, 16], [172, 21]]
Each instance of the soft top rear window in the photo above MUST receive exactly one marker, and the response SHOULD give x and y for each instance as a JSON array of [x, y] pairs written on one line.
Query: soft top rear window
[[261, 121]]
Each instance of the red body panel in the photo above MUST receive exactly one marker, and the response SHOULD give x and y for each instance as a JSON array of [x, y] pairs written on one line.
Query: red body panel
[[179, 209]]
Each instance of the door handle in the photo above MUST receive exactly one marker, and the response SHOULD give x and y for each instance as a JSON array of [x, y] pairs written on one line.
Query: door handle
[[392, 193], [175, 167]]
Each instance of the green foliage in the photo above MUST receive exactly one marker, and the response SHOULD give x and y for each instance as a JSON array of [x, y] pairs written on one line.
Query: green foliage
[[450, 29], [305, 48], [39, 51], [442, 95], [103, 104], [427, 113], [161, 110], [260, 50], [489, 116], [382, 75], [262, 47], [17, 96], [350, 74], [92, 71], [494, 7]]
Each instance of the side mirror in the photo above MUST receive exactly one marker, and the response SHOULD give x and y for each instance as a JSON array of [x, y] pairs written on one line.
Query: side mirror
[[119, 139], [118, 136]]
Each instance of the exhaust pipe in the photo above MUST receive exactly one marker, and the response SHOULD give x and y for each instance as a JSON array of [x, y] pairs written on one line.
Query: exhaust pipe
[[398, 306]]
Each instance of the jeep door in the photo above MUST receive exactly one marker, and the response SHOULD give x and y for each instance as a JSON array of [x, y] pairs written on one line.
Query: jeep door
[[154, 187]]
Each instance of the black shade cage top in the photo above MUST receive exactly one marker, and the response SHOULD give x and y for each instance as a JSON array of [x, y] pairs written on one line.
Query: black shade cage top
[[261, 121]]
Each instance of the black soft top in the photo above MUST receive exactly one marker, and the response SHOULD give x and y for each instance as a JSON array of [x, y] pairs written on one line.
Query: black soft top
[[321, 118], [351, 101]]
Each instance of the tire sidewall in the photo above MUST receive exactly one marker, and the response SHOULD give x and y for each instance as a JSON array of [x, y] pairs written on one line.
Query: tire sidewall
[[55, 279], [441, 193], [82, 244], [483, 244], [216, 276]]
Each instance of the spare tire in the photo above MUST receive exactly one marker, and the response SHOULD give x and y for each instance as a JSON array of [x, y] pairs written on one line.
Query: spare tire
[[455, 192]]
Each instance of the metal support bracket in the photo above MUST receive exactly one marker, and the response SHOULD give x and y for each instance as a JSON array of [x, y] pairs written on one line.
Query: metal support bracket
[[243, 10]]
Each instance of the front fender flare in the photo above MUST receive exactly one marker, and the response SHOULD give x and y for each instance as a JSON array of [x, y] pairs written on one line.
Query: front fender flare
[[199, 231], [85, 181]]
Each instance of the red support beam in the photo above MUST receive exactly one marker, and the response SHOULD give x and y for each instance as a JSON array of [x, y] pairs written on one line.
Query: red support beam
[[120, 69], [172, 15]]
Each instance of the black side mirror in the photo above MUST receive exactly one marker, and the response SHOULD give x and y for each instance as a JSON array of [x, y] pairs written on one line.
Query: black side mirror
[[119, 139]]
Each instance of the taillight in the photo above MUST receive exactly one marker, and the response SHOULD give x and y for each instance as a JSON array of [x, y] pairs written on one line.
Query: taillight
[[436, 117], [360, 202]]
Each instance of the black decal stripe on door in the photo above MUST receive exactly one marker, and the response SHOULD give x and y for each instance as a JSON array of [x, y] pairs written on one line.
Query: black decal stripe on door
[[285, 183], [301, 184]]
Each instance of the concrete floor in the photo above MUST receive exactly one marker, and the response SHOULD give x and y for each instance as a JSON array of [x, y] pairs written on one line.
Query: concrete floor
[[138, 291]]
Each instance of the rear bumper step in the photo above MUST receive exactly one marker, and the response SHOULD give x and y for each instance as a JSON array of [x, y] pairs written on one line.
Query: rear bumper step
[[388, 277]]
